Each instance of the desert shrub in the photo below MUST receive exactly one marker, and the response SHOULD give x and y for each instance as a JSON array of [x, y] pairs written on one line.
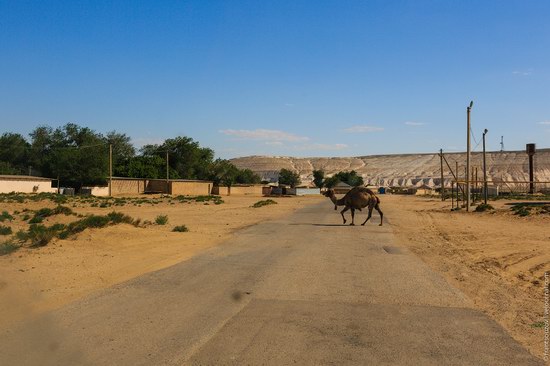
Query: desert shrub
[[161, 220], [180, 229], [41, 214], [44, 212], [264, 203], [63, 210], [40, 235], [8, 247], [105, 204], [522, 211], [36, 220], [119, 218], [5, 216], [5, 230], [94, 221], [484, 207]]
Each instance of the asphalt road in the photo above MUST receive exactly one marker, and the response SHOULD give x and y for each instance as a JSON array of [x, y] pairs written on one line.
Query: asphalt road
[[302, 290]]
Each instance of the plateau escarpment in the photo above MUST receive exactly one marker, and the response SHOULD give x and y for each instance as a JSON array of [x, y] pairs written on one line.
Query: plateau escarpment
[[405, 169]]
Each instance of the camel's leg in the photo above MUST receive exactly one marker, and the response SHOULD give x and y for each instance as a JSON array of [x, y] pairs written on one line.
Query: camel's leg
[[352, 216], [342, 213], [369, 216], [377, 207]]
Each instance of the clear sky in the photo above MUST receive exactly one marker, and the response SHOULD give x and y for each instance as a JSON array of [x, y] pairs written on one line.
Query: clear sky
[[298, 78]]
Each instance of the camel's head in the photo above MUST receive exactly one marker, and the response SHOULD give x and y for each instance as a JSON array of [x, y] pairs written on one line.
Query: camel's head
[[330, 194]]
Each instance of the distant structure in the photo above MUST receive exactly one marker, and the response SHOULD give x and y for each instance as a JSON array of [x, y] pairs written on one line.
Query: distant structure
[[501, 143]]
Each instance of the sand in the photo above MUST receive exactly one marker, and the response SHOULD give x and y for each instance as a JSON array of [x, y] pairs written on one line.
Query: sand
[[497, 259], [33, 281]]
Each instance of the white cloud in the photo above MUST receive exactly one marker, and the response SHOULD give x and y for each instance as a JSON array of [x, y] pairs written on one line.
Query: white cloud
[[274, 143], [321, 147], [411, 123], [262, 134], [544, 123], [363, 129], [523, 72]]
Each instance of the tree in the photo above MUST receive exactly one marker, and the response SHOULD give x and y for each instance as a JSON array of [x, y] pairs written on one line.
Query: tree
[[350, 178], [123, 151], [247, 176], [331, 182], [185, 156], [318, 178], [152, 167], [14, 154], [77, 155], [289, 177]]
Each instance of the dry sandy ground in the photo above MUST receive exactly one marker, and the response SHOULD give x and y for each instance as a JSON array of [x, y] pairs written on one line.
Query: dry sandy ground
[[36, 280], [497, 259]]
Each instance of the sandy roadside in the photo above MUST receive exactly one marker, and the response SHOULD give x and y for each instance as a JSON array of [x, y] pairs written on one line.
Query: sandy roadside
[[36, 280], [497, 259]]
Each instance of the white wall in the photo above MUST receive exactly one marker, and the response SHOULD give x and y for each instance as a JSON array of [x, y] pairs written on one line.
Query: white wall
[[100, 191], [26, 186]]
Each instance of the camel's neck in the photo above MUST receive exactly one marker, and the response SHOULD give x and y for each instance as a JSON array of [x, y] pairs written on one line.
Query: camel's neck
[[337, 202]]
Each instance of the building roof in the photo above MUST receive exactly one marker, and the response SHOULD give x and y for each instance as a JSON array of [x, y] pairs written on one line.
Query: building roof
[[24, 177], [342, 185]]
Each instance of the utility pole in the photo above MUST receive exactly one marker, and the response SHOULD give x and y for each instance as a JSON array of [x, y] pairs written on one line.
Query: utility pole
[[484, 169], [531, 149], [167, 173], [110, 169], [468, 148], [457, 184], [476, 195], [442, 184]]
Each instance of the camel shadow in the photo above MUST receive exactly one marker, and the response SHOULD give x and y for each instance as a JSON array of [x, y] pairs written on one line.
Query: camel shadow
[[310, 224]]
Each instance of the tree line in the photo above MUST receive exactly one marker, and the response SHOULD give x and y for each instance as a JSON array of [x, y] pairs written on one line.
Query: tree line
[[79, 156], [292, 178]]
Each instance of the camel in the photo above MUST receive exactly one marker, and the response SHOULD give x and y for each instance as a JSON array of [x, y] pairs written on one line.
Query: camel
[[356, 199]]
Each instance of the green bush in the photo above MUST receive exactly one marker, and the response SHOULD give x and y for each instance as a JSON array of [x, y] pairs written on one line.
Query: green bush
[[521, 210], [264, 203], [5, 230], [5, 216], [94, 221], [180, 229], [484, 207], [8, 247], [40, 235], [119, 218], [36, 220], [161, 220], [41, 214]]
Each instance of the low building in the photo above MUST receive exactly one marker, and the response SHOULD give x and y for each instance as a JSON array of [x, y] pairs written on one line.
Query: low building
[[342, 188], [133, 186], [25, 184], [424, 190], [304, 191], [239, 190]]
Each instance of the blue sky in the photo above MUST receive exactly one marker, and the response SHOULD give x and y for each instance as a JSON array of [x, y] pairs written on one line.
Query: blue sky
[[298, 78]]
